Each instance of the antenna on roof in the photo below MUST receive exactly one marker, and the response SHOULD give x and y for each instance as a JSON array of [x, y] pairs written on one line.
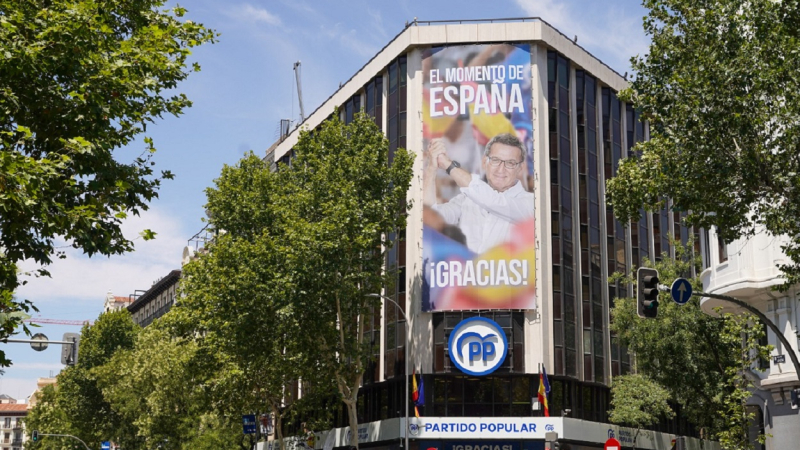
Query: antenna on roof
[[299, 91]]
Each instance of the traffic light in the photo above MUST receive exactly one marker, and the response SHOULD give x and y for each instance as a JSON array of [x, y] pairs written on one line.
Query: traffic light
[[35, 435], [647, 292], [69, 352]]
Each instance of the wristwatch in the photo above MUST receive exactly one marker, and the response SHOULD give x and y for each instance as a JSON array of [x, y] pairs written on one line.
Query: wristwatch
[[452, 166]]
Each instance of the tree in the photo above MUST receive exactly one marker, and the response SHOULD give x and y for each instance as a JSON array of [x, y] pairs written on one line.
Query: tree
[[639, 401], [80, 80], [721, 90], [46, 417], [342, 199], [297, 252], [77, 405], [236, 303], [699, 361], [161, 389]]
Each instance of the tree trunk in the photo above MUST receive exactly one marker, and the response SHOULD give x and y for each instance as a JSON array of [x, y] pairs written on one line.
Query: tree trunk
[[352, 414], [278, 425], [350, 398]]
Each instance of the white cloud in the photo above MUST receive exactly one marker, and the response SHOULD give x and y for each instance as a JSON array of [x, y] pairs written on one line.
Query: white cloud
[[553, 12], [85, 280], [376, 24], [249, 13], [350, 39], [612, 34]]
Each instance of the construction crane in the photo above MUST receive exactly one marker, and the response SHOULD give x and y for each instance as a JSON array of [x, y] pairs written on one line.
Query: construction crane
[[299, 91], [79, 323]]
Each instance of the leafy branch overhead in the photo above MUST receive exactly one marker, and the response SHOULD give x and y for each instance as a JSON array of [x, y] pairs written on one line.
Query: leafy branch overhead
[[721, 90], [79, 81]]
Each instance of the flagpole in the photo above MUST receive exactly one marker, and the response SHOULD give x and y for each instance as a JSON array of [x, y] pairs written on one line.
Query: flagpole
[[407, 345]]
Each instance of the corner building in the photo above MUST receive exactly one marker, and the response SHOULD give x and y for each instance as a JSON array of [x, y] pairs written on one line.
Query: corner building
[[462, 84], [746, 269]]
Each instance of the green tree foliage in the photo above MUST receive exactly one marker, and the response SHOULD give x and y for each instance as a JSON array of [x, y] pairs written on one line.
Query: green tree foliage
[[341, 200], [79, 80], [639, 401], [77, 401], [282, 290], [237, 303], [46, 417], [721, 89], [140, 389], [160, 388], [699, 360]]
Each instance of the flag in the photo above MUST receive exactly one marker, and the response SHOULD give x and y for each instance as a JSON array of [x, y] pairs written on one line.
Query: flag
[[546, 381], [544, 389], [418, 394]]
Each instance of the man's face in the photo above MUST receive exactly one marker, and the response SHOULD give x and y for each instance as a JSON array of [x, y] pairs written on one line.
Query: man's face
[[499, 177]]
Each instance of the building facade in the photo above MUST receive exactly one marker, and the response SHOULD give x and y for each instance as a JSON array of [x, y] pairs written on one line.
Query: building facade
[[541, 282], [115, 302], [747, 270], [12, 421], [156, 301]]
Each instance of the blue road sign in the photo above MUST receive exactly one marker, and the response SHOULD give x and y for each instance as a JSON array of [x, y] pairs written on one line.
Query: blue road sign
[[105, 445], [249, 423], [681, 291]]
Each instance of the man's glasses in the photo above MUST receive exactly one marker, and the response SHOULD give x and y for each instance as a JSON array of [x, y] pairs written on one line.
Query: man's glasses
[[510, 163]]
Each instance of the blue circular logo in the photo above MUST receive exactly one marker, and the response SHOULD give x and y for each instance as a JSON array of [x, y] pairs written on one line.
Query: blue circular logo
[[478, 346]]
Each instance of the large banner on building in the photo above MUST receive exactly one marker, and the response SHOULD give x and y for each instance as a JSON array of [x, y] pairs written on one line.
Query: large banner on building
[[478, 233]]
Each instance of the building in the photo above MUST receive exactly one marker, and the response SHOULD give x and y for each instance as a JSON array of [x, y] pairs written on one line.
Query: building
[[747, 270], [12, 421], [33, 399], [156, 301], [115, 303], [539, 286]]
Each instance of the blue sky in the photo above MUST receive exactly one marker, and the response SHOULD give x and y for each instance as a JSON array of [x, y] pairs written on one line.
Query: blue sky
[[245, 88]]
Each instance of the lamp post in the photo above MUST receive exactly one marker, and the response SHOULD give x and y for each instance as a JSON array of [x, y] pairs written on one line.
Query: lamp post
[[407, 345]]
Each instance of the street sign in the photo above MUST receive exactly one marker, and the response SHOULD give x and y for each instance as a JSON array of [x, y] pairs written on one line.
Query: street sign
[[41, 344], [778, 359], [105, 445], [681, 291], [612, 444], [249, 423]]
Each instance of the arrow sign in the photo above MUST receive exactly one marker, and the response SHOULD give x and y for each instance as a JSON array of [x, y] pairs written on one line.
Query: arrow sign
[[681, 291]]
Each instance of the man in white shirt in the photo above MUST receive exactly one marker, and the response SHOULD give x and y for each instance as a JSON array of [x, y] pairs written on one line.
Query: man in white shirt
[[485, 210]]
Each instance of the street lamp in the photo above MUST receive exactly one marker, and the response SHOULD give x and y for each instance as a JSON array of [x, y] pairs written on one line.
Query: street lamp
[[408, 344]]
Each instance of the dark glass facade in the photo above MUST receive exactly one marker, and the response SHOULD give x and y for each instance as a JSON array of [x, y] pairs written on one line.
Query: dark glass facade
[[395, 334], [616, 232], [565, 330], [589, 185]]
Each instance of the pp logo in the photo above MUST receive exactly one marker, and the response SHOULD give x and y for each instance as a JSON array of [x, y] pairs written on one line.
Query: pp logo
[[478, 346], [413, 428]]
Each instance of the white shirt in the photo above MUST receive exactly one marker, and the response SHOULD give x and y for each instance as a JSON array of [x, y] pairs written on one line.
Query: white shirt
[[484, 215]]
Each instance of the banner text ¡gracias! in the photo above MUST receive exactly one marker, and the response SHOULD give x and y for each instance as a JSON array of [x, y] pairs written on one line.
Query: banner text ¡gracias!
[[499, 96]]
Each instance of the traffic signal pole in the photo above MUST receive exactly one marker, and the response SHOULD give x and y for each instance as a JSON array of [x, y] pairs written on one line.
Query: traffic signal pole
[[760, 315], [39, 436]]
